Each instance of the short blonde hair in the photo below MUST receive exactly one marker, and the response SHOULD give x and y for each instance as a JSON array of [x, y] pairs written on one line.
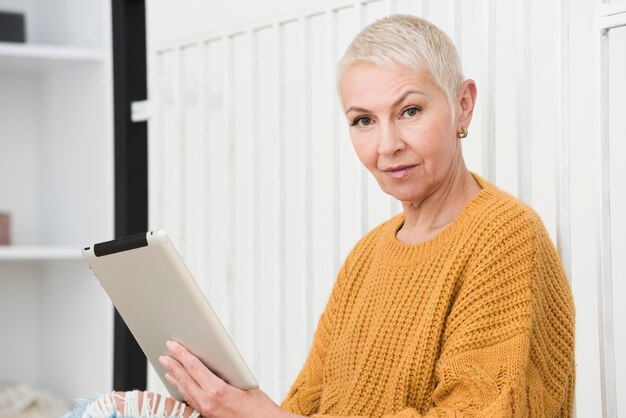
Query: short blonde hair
[[411, 42]]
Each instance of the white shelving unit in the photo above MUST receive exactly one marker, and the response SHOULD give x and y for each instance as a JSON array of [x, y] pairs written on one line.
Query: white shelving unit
[[42, 58], [26, 253], [56, 181]]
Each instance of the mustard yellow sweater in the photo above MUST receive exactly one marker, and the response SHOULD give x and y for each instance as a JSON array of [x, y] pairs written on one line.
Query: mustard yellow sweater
[[478, 321]]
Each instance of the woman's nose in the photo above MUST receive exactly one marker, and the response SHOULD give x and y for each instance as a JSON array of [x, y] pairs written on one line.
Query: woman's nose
[[390, 140]]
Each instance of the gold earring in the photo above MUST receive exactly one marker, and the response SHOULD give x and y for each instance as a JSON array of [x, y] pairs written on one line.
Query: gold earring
[[462, 134]]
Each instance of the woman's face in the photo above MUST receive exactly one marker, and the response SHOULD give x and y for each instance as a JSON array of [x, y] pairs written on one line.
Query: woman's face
[[401, 127]]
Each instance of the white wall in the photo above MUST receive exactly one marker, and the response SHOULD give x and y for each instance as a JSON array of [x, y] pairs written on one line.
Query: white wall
[[253, 175], [170, 20]]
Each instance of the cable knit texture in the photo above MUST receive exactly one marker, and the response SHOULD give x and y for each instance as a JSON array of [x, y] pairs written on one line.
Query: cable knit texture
[[478, 321]]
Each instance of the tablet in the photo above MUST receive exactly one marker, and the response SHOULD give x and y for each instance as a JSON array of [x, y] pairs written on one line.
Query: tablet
[[158, 298]]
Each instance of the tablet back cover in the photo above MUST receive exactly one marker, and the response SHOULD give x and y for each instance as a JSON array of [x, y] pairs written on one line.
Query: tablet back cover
[[157, 297]]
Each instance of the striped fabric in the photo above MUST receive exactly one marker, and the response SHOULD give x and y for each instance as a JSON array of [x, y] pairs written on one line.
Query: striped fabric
[[104, 406]]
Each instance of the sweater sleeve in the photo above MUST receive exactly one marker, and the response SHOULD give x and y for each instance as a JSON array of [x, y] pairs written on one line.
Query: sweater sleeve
[[304, 396], [508, 345]]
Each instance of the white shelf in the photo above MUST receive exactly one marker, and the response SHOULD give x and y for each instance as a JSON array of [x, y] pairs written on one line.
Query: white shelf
[[39, 253], [33, 58]]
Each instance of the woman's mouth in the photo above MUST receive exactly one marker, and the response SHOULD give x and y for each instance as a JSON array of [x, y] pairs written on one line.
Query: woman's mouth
[[399, 171]]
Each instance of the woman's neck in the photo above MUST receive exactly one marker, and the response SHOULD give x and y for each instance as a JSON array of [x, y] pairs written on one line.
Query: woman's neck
[[426, 219]]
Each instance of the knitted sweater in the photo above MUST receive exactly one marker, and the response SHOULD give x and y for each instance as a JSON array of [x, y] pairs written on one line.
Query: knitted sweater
[[478, 321]]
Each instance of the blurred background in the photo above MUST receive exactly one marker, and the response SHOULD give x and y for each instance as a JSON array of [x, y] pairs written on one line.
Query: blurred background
[[251, 172]]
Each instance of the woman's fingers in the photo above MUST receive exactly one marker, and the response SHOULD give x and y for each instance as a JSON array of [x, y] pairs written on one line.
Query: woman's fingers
[[200, 373], [202, 389], [179, 378]]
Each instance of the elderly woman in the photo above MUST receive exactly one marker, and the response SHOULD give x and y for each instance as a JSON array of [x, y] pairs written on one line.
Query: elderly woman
[[457, 307]]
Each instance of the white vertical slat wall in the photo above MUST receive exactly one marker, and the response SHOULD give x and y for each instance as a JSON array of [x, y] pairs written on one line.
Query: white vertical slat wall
[[253, 175]]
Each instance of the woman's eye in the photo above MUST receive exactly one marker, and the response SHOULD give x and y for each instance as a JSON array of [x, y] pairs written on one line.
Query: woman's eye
[[410, 112], [362, 121]]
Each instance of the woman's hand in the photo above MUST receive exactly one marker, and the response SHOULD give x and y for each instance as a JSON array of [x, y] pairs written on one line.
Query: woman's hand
[[210, 395]]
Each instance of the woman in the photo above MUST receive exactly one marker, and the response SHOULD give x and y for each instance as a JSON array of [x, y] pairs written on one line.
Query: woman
[[457, 307]]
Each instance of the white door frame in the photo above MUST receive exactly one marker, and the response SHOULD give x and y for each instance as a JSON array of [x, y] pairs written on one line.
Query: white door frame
[[609, 16]]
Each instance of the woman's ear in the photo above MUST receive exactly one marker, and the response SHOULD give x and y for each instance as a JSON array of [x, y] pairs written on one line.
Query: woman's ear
[[466, 99]]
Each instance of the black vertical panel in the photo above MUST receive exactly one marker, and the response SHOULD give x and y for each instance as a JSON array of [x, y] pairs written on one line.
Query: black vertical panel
[[131, 165]]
